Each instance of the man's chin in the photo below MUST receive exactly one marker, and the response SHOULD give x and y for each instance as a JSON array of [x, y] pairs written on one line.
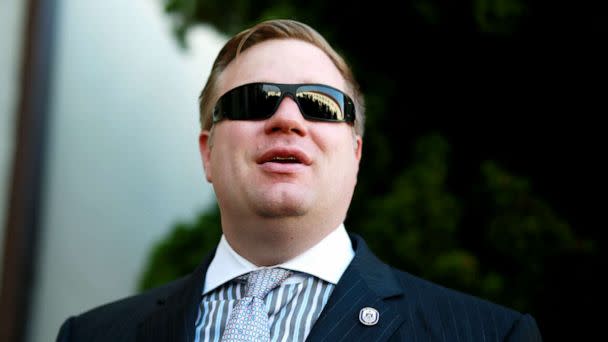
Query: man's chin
[[279, 213], [282, 205]]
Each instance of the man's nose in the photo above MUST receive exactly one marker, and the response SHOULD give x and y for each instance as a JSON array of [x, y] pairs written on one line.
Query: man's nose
[[286, 119]]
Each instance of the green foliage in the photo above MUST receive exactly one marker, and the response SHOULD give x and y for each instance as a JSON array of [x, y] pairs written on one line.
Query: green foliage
[[523, 227], [417, 225], [182, 250], [230, 16], [522, 236], [498, 16], [414, 224]]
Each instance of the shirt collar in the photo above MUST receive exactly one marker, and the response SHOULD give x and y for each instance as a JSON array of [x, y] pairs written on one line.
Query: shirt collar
[[327, 260]]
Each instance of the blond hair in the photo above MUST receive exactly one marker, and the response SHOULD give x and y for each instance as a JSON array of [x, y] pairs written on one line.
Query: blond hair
[[275, 29]]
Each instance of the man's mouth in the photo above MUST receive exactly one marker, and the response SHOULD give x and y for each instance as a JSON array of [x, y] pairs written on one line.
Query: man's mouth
[[285, 160], [284, 156]]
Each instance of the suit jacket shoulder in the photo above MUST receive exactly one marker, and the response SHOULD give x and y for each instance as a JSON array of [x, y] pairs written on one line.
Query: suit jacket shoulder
[[409, 308], [170, 308], [449, 315]]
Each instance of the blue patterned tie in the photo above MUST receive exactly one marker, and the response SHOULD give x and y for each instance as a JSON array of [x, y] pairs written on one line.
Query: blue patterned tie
[[249, 318]]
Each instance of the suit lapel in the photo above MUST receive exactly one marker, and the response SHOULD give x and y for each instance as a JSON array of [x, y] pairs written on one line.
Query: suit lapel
[[175, 316], [367, 282]]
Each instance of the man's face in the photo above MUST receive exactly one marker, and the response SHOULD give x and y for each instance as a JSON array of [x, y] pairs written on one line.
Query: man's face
[[245, 160]]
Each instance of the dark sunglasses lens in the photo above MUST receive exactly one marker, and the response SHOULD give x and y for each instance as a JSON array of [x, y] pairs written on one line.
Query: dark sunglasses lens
[[249, 102], [263, 101], [321, 103]]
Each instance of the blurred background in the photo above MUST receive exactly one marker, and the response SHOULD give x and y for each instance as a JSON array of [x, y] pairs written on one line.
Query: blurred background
[[481, 168], [99, 151]]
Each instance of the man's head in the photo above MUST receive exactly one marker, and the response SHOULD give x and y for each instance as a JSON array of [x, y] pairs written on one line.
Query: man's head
[[284, 177], [275, 29]]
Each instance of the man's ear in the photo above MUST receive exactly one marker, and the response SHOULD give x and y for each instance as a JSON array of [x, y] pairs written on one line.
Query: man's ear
[[204, 146], [358, 142]]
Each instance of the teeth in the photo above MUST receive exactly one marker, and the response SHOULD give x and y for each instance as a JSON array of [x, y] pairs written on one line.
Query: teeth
[[290, 159]]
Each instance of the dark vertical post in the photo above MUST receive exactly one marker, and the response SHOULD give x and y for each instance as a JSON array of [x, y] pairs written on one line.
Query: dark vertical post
[[24, 206]]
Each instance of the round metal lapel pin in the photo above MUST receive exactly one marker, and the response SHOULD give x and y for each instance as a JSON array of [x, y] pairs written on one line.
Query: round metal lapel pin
[[369, 316]]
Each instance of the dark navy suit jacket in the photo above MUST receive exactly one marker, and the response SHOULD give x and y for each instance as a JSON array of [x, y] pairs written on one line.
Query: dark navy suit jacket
[[410, 309]]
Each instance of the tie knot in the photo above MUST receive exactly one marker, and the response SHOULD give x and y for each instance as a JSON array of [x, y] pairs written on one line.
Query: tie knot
[[260, 282]]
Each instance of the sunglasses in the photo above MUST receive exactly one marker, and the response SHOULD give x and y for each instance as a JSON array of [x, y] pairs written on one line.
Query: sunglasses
[[258, 101]]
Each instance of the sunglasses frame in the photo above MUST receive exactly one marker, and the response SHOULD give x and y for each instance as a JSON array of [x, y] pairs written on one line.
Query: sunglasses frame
[[347, 106]]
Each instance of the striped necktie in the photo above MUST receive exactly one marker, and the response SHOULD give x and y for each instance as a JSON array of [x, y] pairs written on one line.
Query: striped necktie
[[249, 319]]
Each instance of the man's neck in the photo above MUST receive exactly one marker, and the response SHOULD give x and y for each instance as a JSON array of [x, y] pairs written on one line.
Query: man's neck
[[268, 242]]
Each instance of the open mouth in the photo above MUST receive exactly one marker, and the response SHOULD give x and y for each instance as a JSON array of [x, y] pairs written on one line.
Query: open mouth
[[285, 160], [284, 156]]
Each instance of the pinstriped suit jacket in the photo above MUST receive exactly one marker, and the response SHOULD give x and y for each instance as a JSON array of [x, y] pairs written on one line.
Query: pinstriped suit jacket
[[411, 309]]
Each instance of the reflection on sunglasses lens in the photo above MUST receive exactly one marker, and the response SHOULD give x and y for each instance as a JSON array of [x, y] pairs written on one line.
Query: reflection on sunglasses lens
[[319, 105]]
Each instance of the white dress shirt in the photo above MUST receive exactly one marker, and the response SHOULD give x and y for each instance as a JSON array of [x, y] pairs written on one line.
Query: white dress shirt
[[326, 260], [293, 307]]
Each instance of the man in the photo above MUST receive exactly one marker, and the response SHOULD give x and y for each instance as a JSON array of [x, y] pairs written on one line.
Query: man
[[282, 126]]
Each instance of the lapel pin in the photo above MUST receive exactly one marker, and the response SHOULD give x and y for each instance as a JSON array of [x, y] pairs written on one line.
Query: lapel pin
[[369, 316]]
